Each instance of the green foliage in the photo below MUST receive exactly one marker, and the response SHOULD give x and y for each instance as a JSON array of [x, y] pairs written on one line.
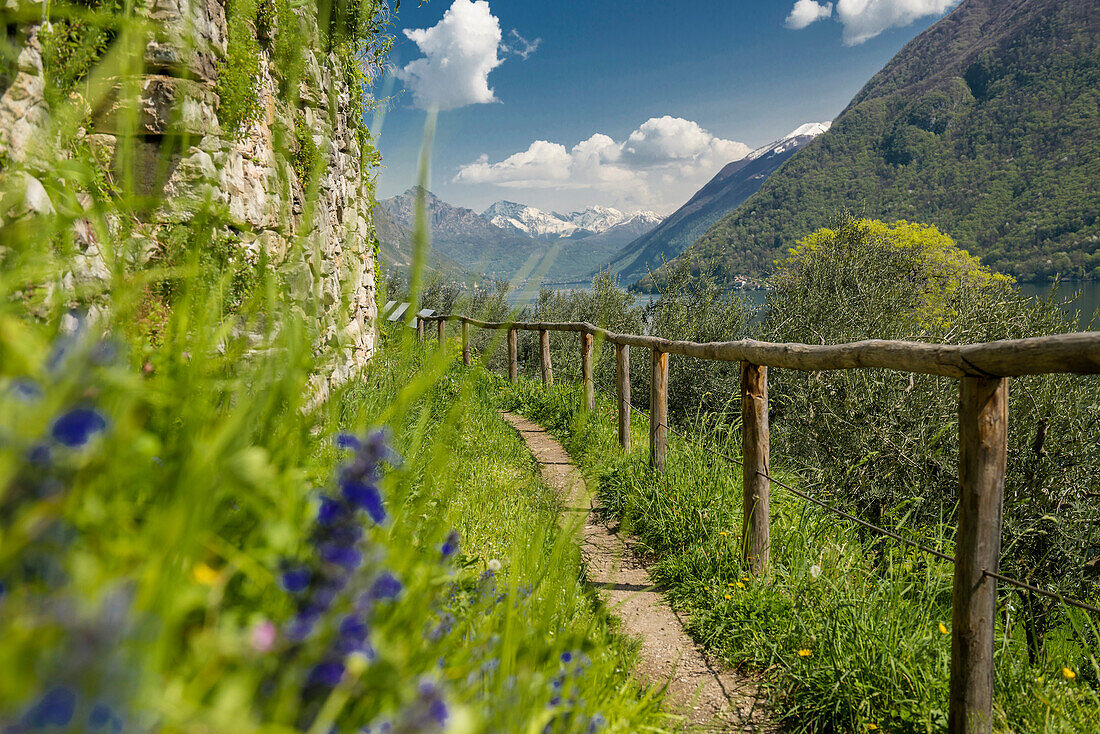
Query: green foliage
[[73, 41], [239, 72], [997, 149], [307, 158]]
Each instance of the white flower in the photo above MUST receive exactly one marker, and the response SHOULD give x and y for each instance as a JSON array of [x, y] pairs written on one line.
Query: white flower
[[494, 565], [815, 570]]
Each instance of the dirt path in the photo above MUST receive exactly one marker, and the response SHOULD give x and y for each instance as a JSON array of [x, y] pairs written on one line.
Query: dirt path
[[711, 699]]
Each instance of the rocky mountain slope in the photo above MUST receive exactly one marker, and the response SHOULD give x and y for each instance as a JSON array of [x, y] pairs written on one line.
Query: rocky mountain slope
[[986, 125], [730, 188], [464, 237]]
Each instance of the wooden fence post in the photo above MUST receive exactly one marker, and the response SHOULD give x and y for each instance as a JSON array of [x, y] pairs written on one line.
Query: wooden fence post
[[658, 410], [622, 382], [419, 329], [513, 356], [544, 357], [983, 450], [586, 372], [755, 440], [440, 327], [465, 343]]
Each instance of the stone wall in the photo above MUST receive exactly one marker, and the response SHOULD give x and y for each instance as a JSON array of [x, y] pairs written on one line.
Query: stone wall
[[248, 177]]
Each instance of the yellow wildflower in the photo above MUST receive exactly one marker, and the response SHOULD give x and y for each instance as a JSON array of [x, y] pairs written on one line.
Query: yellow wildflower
[[740, 585], [872, 727], [722, 532], [805, 653], [1068, 674], [728, 596], [943, 628], [205, 575]]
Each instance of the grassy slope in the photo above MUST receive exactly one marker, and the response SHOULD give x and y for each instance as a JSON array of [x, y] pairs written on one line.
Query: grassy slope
[[846, 629]]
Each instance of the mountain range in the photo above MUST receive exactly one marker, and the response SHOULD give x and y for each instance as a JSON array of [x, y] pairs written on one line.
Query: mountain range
[[986, 125], [508, 240], [730, 188]]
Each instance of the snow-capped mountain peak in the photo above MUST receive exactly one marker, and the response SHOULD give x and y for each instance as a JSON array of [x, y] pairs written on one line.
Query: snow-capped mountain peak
[[793, 139], [595, 219], [535, 222]]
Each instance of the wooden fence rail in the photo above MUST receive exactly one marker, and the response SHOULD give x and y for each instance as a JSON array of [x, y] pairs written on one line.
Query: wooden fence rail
[[982, 370]]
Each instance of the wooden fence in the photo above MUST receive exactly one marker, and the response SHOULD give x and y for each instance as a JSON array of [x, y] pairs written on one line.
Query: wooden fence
[[982, 370]]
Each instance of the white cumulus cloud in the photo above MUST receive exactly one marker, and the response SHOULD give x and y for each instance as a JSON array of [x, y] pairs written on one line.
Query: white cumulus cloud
[[865, 19], [806, 12], [459, 52], [658, 165]]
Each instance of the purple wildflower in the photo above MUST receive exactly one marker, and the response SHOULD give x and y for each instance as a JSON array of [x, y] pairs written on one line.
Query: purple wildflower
[[295, 580], [55, 709], [327, 674], [366, 497], [73, 429], [385, 586], [331, 511], [347, 557], [348, 441], [450, 545], [301, 626]]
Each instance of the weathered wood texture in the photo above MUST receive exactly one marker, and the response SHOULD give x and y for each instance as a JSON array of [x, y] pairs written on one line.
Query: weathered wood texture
[[513, 356], [465, 343], [419, 329], [587, 378], [1069, 353], [983, 449], [544, 358], [755, 449], [622, 390], [441, 327], [658, 410]]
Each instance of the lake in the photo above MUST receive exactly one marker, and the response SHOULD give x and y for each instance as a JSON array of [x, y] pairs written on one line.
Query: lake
[[1083, 296]]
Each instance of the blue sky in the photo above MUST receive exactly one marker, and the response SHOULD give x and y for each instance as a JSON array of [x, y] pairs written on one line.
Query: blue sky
[[630, 104]]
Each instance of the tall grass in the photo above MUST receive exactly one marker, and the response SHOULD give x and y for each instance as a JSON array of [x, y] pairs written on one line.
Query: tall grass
[[851, 633]]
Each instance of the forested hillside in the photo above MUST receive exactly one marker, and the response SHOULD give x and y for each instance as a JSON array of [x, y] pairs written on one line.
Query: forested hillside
[[986, 125]]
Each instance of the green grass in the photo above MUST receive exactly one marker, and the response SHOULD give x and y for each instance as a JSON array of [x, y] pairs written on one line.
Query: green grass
[[844, 628]]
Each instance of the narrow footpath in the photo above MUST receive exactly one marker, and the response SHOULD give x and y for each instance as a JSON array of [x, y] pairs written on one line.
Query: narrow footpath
[[710, 698]]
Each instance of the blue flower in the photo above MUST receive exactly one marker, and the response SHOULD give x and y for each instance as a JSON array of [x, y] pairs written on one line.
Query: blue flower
[[55, 709], [365, 496], [348, 441], [102, 717], [301, 626], [567, 657], [450, 545], [327, 673], [344, 556], [295, 580], [385, 586], [74, 428], [331, 511]]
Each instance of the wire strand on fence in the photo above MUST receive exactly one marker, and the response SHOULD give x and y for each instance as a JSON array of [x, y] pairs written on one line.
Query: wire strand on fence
[[1069, 601]]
